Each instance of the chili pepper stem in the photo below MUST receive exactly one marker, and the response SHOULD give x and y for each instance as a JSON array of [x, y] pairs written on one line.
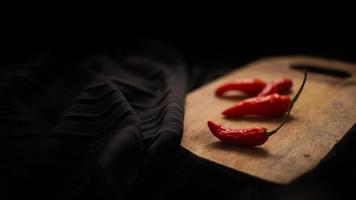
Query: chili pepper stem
[[294, 99], [301, 88]]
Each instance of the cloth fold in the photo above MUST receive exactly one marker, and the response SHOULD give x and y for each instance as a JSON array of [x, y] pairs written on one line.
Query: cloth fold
[[92, 128]]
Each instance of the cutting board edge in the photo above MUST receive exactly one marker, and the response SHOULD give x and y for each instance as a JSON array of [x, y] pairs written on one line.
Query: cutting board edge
[[303, 57], [279, 182]]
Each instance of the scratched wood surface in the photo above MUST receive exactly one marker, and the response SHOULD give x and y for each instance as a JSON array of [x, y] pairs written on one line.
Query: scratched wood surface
[[324, 113]]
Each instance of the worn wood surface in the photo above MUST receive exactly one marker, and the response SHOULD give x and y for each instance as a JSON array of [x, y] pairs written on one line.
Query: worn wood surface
[[324, 113]]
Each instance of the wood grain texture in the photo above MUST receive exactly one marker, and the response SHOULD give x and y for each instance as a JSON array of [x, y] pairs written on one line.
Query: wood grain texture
[[324, 113]]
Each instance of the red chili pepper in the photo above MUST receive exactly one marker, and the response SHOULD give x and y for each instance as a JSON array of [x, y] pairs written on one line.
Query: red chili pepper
[[271, 105], [249, 86], [279, 86], [247, 137]]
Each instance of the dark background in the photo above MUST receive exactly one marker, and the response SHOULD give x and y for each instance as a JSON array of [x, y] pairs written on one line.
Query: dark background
[[212, 55], [215, 51], [197, 48]]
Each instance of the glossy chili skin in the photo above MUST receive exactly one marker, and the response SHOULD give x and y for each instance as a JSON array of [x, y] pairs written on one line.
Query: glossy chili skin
[[251, 87], [246, 137], [279, 86], [265, 106]]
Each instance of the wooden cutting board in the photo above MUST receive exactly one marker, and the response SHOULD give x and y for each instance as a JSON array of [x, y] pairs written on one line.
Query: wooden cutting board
[[324, 113]]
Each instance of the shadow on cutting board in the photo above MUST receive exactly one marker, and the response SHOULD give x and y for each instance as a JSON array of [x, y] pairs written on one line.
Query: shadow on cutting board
[[251, 151]]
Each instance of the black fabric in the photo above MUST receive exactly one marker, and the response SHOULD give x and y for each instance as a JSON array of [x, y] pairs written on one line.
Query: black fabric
[[107, 125], [87, 129]]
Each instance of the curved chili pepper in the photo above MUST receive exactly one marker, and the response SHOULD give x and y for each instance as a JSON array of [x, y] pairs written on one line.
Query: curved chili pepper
[[279, 86], [249, 86], [270, 105], [248, 136]]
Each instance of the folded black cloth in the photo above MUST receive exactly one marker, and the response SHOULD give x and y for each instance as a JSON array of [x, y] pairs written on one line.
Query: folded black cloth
[[91, 125]]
